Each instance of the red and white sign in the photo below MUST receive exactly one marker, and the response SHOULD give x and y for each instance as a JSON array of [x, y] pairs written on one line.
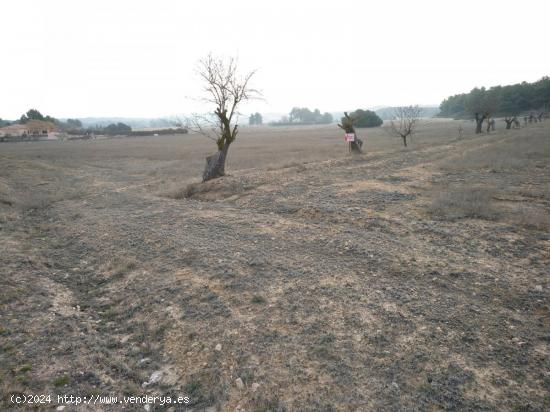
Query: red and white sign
[[350, 137]]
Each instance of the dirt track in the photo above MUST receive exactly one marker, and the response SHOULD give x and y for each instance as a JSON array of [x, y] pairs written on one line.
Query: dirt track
[[330, 283]]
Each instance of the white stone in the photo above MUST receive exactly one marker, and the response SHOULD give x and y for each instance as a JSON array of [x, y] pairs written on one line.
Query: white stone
[[239, 383], [155, 378], [218, 347]]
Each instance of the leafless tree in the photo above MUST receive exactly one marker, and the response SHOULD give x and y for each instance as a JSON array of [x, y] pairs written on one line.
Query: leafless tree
[[348, 126], [509, 121], [225, 89], [405, 122]]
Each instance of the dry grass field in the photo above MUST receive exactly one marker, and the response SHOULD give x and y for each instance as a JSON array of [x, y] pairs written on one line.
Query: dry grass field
[[306, 280]]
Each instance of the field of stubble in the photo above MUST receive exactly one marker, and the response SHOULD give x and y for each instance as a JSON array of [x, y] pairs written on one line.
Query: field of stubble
[[306, 280]]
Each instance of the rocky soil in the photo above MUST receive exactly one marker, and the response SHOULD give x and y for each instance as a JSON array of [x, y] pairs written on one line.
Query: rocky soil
[[324, 286]]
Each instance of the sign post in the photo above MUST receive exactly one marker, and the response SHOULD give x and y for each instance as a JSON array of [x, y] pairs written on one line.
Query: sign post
[[350, 137]]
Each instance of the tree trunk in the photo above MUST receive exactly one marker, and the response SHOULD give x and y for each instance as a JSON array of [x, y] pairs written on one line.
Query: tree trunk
[[356, 145], [347, 126], [215, 164], [479, 125], [479, 122], [404, 140]]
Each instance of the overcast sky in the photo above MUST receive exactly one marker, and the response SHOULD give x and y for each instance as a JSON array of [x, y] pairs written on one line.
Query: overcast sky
[[138, 58]]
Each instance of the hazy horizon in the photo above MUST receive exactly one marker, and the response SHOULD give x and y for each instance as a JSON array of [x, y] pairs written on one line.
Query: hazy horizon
[[138, 59]]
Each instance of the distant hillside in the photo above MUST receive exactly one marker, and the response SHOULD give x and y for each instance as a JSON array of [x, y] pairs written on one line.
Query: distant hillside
[[387, 113]]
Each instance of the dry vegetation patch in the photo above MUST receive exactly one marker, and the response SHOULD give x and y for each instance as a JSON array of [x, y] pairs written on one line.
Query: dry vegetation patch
[[219, 189], [464, 203]]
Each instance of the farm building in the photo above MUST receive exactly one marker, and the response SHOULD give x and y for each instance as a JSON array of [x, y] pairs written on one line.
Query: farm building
[[31, 128]]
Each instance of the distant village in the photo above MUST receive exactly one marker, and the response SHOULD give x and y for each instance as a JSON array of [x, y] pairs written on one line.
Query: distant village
[[35, 126]]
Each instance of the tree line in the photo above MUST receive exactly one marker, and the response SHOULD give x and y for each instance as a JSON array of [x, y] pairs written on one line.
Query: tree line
[[304, 116], [511, 100]]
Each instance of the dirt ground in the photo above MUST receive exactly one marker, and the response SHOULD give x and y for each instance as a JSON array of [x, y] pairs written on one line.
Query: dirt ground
[[306, 280]]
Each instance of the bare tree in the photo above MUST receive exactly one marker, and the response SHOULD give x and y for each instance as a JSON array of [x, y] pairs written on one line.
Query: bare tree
[[225, 89], [509, 121], [406, 120], [348, 126]]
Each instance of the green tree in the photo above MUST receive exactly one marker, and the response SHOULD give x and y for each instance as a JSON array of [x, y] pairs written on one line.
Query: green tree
[[366, 118], [118, 128], [326, 118], [32, 114], [255, 119]]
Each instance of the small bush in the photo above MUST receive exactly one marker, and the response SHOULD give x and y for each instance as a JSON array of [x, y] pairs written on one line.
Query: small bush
[[123, 267], [464, 203], [61, 381], [257, 299], [25, 368]]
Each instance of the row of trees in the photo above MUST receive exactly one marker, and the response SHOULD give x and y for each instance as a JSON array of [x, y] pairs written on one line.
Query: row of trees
[[303, 115], [509, 100]]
